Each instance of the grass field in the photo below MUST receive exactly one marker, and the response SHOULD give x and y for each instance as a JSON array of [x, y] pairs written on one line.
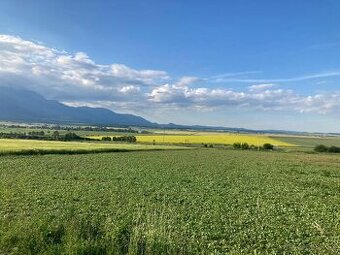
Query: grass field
[[203, 201], [20, 146], [206, 138], [309, 142]]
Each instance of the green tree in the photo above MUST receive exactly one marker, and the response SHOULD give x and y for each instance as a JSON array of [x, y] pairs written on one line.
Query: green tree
[[268, 146], [334, 149], [237, 145], [245, 146], [55, 135], [321, 148]]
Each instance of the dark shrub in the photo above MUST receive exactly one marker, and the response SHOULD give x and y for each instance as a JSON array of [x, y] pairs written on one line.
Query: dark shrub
[[106, 138], [268, 146], [321, 148], [55, 135], [237, 145], [245, 146], [72, 137], [129, 139], [334, 149]]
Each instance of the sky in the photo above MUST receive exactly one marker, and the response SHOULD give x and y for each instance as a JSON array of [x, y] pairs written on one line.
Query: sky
[[253, 64]]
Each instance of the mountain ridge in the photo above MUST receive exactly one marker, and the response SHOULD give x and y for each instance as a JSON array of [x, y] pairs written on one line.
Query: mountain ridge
[[26, 105], [22, 105]]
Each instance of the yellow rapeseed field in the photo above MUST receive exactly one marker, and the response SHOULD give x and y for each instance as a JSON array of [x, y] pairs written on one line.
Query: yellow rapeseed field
[[15, 145], [207, 138], [256, 140]]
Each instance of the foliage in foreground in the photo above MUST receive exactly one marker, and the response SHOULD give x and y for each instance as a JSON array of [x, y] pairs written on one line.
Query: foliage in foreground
[[178, 202]]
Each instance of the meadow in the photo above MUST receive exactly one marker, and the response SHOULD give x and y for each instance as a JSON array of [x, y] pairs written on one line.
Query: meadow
[[309, 141], [202, 201], [20, 146]]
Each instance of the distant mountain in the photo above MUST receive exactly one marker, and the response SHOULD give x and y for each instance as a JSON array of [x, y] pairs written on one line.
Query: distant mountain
[[20, 105], [28, 106]]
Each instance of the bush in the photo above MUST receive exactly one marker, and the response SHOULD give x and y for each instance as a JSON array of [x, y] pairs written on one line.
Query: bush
[[334, 149], [324, 148], [268, 146], [71, 137], [237, 145], [245, 146], [321, 148], [129, 139], [55, 135], [106, 138]]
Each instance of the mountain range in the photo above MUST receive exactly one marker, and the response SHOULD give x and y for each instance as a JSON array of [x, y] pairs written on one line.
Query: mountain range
[[28, 106], [22, 105]]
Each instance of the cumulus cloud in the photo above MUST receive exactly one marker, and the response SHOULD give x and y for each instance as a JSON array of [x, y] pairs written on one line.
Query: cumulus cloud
[[62, 75], [130, 89], [76, 79], [263, 97]]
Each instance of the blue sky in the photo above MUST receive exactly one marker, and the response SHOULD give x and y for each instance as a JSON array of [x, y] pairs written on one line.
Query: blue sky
[[220, 48]]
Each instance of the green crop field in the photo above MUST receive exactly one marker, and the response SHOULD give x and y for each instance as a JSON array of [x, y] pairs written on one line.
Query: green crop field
[[203, 201], [19, 146]]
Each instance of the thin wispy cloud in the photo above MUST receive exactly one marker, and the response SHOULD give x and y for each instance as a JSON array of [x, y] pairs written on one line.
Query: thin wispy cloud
[[280, 80], [235, 74]]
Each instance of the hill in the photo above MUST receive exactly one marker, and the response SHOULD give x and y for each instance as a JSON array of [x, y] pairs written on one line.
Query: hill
[[25, 105]]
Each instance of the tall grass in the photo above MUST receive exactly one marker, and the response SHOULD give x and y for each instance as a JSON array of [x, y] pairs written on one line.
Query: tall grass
[[140, 232]]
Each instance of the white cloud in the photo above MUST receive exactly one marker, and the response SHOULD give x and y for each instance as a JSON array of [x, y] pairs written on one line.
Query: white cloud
[[78, 80], [263, 97], [130, 89], [321, 103], [261, 86], [62, 75], [186, 81]]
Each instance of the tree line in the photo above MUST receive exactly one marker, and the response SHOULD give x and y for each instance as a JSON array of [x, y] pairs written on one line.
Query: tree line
[[126, 138], [246, 146], [79, 128], [41, 135], [324, 148], [56, 136]]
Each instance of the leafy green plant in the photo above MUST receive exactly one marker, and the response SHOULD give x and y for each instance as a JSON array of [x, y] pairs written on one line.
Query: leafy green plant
[[196, 201]]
